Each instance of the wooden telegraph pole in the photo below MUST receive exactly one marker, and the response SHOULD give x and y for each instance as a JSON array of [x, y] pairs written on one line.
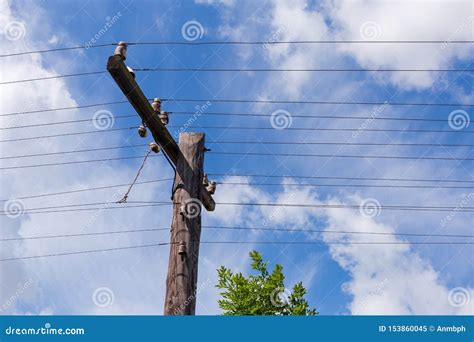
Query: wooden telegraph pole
[[186, 227], [189, 193]]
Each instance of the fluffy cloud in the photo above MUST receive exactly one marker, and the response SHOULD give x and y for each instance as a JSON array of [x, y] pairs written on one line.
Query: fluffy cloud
[[389, 279], [384, 279], [404, 20], [66, 285], [346, 20]]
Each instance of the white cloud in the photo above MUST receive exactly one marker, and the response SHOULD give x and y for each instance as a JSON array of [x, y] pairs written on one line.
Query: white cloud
[[215, 2], [387, 279], [64, 285], [356, 20], [384, 279], [404, 20]]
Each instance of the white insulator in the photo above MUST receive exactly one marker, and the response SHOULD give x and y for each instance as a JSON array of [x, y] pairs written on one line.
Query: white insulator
[[121, 50], [156, 105], [211, 188], [154, 147], [142, 131]]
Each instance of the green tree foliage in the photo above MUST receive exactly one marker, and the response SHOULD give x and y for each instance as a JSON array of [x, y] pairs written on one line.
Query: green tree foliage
[[261, 294]]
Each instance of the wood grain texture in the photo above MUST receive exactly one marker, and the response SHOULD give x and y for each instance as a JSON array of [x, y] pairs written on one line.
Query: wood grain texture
[[182, 276]]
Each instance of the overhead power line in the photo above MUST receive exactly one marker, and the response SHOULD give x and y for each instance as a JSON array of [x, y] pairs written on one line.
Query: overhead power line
[[83, 234], [96, 131], [53, 77], [233, 153], [323, 102], [290, 230], [370, 42], [332, 117], [355, 129], [338, 143], [311, 230], [352, 206], [280, 42], [341, 156], [67, 208], [80, 47], [296, 70], [138, 204], [299, 155], [73, 151], [311, 116], [84, 252], [67, 122], [320, 242], [233, 70], [67, 192], [440, 180], [350, 185], [101, 205], [64, 108], [249, 101], [73, 162]]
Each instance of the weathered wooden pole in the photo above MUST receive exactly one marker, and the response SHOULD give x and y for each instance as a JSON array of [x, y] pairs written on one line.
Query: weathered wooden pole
[[181, 282]]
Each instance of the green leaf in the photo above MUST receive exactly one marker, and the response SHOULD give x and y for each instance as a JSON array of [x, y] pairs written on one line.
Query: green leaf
[[258, 294]]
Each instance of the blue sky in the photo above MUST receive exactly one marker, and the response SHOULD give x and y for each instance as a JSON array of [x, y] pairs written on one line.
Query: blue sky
[[340, 279]]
